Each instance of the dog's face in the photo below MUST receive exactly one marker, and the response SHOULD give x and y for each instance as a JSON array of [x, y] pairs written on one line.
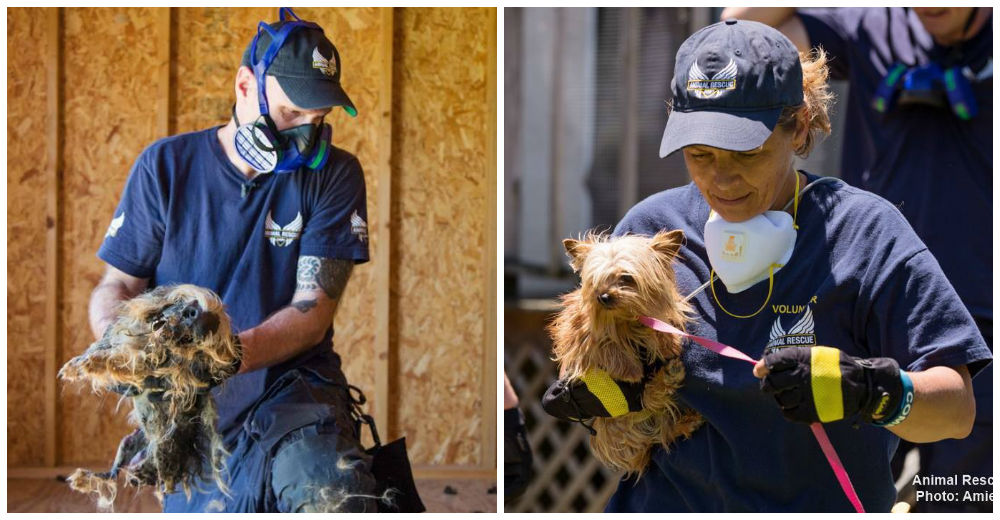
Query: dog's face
[[626, 276], [179, 333], [185, 320]]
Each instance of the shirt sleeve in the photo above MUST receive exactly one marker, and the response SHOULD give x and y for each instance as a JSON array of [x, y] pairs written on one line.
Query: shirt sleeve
[[835, 30], [338, 220], [134, 239], [918, 319]]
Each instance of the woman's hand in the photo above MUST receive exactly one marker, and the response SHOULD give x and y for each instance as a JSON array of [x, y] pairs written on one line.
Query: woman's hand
[[823, 384], [942, 404]]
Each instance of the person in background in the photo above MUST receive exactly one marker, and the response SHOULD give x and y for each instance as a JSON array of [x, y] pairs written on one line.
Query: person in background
[[517, 458], [919, 132]]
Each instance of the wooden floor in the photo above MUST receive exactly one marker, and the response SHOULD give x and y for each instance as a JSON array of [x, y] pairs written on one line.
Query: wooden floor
[[52, 496]]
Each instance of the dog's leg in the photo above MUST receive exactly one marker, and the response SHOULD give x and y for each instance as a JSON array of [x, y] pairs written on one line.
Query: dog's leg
[[687, 423], [130, 446], [674, 372]]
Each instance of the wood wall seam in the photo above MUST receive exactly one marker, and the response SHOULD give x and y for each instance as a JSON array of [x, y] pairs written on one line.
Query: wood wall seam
[[52, 222], [164, 60], [489, 374], [383, 258]]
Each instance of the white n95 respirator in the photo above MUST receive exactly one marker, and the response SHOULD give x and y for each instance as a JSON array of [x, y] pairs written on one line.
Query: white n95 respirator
[[744, 253]]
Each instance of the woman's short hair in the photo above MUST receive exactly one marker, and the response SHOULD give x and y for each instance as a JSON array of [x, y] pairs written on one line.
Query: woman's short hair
[[816, 103]]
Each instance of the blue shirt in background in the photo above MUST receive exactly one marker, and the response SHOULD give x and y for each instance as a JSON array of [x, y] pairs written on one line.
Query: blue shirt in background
[[936, 168]]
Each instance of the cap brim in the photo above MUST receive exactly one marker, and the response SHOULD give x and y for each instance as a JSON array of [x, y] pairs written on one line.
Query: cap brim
[[738, 132], [313, 94]]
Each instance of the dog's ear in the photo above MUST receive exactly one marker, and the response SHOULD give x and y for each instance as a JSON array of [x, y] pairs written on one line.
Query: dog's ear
[[668, 243], [577, 251]]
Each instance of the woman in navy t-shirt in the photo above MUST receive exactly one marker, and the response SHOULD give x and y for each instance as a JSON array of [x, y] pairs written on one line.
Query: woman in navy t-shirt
[[853, 321]]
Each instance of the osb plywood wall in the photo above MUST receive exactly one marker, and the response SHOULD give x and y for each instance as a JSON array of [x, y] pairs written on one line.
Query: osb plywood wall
[[440, 241], [422, 80], [26, 183]]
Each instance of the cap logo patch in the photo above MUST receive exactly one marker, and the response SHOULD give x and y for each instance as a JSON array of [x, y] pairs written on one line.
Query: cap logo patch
[[326, 66], [704, 87]]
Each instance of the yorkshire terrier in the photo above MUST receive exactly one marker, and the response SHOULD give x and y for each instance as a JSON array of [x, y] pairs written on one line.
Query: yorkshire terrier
[[164, 351], [622, 279]]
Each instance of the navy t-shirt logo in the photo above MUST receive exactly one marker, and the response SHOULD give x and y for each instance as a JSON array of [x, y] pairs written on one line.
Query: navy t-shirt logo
[[116, 224], [803, 332], [359, 227], [282, 236]]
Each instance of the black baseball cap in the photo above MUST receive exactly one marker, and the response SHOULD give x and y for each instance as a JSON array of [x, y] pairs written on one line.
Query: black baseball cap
[[731, 81], [307, 67]]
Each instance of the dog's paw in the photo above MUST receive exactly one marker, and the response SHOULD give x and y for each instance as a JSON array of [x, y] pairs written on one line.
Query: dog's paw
[[674, 371], [688, 422], [72, 370]]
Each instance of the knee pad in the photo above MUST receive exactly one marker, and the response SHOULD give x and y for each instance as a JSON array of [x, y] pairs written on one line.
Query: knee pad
[[322, 472]]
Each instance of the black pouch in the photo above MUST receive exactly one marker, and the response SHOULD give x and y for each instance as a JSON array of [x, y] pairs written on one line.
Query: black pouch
[[391, 469], [390, 466]]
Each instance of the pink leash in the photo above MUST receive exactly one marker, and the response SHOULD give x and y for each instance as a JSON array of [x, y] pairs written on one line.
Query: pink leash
[[817, 428]]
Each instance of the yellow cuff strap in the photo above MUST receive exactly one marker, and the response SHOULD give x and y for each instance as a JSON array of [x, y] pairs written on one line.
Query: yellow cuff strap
[[604, 388], [826, 389]]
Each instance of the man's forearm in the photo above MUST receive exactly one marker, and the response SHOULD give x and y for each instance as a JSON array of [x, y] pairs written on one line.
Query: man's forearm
[[773, 16], [781, 18], [104, 300], [319, 284], [943, 406], [286, 333], [115, 287]]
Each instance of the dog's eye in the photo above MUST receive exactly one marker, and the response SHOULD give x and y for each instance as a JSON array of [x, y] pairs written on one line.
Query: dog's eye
[[627, 279]]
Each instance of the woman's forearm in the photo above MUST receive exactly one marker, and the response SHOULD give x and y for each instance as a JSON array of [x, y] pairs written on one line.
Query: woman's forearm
[[943, 406]]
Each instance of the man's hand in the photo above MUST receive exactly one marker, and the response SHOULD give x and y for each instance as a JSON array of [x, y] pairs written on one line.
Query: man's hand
[[303, 323], [596, 394], [822, 384], [115, 287]]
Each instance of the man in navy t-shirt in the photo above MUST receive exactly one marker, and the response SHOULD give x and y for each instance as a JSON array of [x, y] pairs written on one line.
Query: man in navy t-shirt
[[934, 165], [277, 242]]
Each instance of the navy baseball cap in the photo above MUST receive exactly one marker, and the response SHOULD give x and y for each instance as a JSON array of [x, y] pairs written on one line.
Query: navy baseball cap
[[307, 67], [731, 81]]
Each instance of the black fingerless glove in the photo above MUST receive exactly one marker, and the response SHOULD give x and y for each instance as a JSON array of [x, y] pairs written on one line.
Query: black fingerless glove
[[823, 384], [596, 394]]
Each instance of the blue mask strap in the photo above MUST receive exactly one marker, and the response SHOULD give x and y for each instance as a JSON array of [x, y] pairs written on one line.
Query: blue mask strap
[[960, 95], [287, 10], [260, 67], [277, 40]]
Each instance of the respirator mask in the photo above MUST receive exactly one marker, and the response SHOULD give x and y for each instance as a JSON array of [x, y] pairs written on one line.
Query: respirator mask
[[259, 142]]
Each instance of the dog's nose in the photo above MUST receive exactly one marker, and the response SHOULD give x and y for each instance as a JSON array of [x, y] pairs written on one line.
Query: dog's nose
[[606, 299], [205, 323], [197, 321]]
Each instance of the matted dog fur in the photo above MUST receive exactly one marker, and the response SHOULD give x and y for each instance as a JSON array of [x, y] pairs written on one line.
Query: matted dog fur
[[165, 349], [598, 328]]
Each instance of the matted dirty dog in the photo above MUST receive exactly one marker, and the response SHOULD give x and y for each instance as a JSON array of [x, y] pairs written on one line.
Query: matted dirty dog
[[165, 350]]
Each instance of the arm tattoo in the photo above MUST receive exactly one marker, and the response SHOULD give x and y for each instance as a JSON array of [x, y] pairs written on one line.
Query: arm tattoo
[[328, 274], [306, 277], [304, 305]]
